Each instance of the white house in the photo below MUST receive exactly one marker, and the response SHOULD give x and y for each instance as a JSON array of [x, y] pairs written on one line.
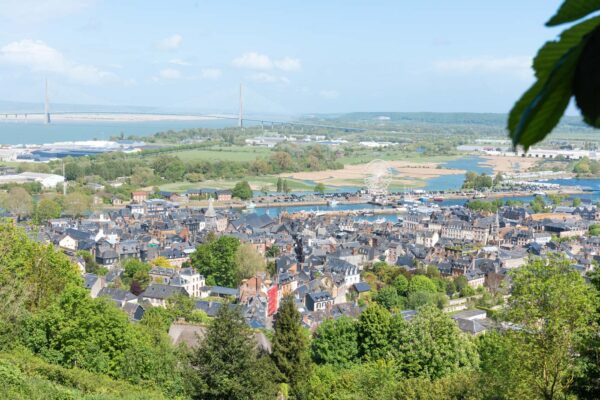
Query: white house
[[190, 280]]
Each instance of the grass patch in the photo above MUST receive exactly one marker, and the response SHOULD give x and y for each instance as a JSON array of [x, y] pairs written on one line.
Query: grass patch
[[233, 153]]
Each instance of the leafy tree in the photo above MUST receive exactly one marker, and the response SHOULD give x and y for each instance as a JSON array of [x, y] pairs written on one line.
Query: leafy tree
[[320, 188], [335, 342], [416, 300], [388, 297], [95, 335], [576, 202], [242, 190], [290, 346], [498, 178], [73, 171], [47, 208], [169, 167], [162, 262], [136, 274], [538, 205], [285, 186], [76, 204], [216, 260], [228, 366], [401, 284], [373, 332], [248, 261], [554, 309], [556, 198], [273, 251], [43, 271], [279, 185], [421, 283], [142, 176], [434, 346], [587, 384], [563, 68], [19, 202]]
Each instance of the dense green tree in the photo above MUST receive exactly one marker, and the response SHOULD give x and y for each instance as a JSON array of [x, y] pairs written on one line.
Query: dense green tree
[[421, 283], [227, 364], [373, 332], [555, 310], [587, 383], [285, 187], [76, 204], [19, 202], [216, 260], [320, 188], [169, 167], [290, 347], [279, 185], [273, 251], [416, 300], [47, 208], [538, 205], [335, 342], [434, 346], [242, 190], [95, 335], [142, 176], [248, 261], [401, 285], [388, 297], [136, 274], [73, 171]]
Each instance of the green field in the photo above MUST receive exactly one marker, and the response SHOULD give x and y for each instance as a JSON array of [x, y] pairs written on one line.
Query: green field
[[365, 156], [233, 153]]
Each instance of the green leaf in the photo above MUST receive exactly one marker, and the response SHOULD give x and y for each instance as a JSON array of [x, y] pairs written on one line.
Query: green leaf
[[551, 52], [572, 10], [538, 111]]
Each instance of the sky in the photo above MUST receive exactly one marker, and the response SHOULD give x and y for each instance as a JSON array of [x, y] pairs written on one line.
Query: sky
[[292, 57]]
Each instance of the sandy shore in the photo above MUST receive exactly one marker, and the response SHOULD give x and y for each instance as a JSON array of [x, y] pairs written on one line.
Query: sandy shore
[[505, 164], [357, 172]]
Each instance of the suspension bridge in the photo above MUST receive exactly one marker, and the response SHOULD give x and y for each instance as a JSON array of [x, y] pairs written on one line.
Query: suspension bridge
[[47, 117]]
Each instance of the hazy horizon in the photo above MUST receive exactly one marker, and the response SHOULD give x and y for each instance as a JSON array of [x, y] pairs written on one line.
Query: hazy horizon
[[464, 56]]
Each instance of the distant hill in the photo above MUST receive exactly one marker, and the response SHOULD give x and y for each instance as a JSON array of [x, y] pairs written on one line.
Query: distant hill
[[491, 119]]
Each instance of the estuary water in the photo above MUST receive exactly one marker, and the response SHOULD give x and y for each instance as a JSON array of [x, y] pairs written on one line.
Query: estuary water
[[36, 132]]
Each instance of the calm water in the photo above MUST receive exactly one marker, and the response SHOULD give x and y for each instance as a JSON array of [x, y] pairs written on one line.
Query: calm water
[[39, 133], [455, 181]]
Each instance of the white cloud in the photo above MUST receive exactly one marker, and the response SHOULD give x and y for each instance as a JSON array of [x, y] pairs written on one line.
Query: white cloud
[[170, 43], [210, 73], [253, 60], [178, 61], [329, 94], [39, 57], [170, 73], [520, 66], [263, 77], [288, 64]]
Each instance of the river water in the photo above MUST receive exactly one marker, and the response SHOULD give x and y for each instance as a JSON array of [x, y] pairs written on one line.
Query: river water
[[36, 132]]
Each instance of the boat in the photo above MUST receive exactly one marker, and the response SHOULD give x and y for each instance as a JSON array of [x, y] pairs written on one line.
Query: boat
[[438, 199], [380, 220], [540, 193], [332, 203], [479, 196], [250, 205]]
